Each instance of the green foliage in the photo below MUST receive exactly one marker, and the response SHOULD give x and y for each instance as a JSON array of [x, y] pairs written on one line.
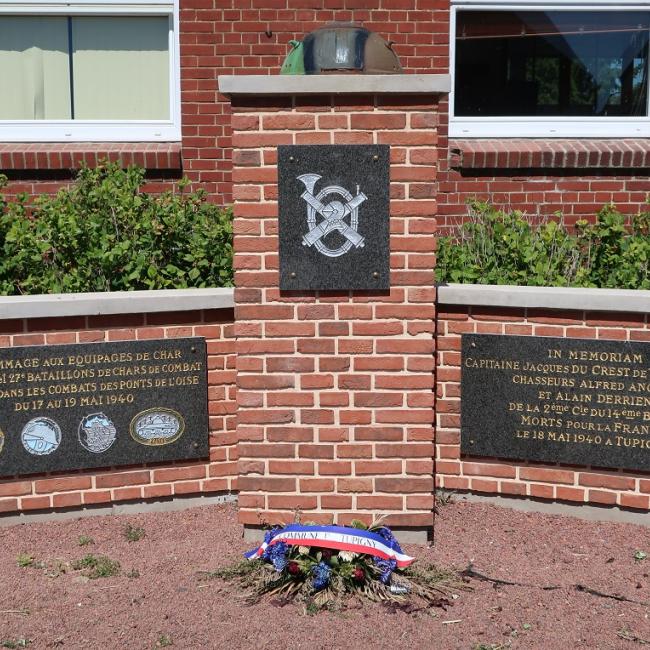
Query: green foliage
[[104, 233], [85, 540], [18, 643], [97, 566], [618, 257], [444, 497], [133, 533], [163, 641], [496, 247], [24, 560]]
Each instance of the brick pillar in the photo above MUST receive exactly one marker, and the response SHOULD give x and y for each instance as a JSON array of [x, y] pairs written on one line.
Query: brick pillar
[[335, 391]]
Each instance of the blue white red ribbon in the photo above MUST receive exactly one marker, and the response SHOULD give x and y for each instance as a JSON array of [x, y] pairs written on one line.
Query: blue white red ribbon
[[340, 538]]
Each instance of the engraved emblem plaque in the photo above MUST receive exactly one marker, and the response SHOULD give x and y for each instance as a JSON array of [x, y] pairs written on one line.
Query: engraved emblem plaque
[[334, 217]]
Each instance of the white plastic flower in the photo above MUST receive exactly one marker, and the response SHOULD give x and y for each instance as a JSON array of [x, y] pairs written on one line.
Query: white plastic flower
[[347, 556], [303, 550]]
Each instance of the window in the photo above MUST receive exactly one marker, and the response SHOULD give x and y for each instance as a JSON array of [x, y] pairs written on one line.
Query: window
[[567, 69], [89, 71]]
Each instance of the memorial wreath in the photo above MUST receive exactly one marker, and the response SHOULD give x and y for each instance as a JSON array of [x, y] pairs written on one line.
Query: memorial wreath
[[322, 566]]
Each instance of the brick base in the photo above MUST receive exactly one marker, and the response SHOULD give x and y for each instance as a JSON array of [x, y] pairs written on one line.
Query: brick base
[[538, 480], [335, 401], [69, 490]]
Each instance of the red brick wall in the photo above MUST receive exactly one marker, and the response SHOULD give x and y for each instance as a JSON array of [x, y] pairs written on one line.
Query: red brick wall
[[230, 37], [576, 194], [335, 400], [135, 483], [539, 480], [543, 177]]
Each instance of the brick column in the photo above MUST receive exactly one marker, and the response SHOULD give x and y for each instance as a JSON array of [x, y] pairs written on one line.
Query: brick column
[[335, 391]]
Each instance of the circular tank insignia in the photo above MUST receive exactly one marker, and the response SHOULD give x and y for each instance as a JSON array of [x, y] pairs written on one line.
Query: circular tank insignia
[[96, 433], [41, 436], [157, 426]]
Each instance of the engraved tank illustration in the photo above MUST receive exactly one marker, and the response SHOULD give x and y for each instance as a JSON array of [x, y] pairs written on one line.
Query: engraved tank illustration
[[157, 426]]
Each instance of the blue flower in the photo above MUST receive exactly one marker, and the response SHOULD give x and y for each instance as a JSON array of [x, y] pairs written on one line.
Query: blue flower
[[387, 534], [386, 567], [268, 536], [277, 555], [321, 573]]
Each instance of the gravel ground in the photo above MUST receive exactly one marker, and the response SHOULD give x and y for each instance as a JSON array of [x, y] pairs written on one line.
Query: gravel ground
[[167, 605]]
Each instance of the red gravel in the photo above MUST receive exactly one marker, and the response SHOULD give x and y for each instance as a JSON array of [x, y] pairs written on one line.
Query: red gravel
[[168, 600]]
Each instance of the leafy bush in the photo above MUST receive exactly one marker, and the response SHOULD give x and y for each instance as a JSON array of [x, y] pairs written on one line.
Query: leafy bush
[[496, 247], [103, 233]]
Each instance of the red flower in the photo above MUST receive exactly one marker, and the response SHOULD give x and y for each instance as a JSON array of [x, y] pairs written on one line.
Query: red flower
[[359, 574], [293, 568], [326, 553]]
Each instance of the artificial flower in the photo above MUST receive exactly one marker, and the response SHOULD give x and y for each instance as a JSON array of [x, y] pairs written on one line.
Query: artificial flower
[[386, 567], [347, 556], [326, 553], [359, 574], [321, 573], [387, 534], [268, 536], [277, 555]]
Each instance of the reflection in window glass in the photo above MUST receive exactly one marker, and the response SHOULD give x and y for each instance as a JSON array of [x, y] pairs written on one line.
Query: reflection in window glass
[[120, 68], [551, 63], [84, 67], [34, 68]]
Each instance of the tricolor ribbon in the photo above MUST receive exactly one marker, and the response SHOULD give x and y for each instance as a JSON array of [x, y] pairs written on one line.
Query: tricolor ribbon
[[337, 537]]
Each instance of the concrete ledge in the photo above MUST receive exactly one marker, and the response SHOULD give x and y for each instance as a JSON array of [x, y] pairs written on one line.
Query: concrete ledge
[[114, 302], [577, 510], [171, 504], [488, 295], [335, 84]]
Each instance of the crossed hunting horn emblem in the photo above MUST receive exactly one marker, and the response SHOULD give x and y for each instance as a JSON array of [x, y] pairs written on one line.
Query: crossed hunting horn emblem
[[333, 214]]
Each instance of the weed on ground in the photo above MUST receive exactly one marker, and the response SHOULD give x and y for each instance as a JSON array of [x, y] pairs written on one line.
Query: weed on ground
[[97, 566], [17, 643], [133, 533]]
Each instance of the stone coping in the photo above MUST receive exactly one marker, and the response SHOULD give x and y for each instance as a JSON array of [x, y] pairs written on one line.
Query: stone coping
[[114, 302], [335, 84], [574, 299]]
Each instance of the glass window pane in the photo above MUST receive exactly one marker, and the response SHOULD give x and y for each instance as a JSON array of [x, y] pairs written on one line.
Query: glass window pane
[[34, 69], [121, 68], [551, 63]]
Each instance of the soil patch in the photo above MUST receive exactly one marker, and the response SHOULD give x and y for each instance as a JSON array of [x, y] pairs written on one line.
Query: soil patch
[[577, 584]]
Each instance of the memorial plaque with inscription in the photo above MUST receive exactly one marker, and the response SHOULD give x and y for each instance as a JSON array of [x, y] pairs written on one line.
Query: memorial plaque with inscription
[[102, 404], [571, 401], [333, 217]]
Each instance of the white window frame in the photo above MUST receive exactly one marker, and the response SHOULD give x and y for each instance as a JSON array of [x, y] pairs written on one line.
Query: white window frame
[[102, 130], [542, 127]]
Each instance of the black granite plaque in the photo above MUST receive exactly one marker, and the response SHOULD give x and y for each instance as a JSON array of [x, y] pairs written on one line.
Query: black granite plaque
[[102, 404], [572, 401], [334, 214]]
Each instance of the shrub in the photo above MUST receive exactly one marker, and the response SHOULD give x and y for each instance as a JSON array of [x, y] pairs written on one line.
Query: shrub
[[497, 247], [103, 233]]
